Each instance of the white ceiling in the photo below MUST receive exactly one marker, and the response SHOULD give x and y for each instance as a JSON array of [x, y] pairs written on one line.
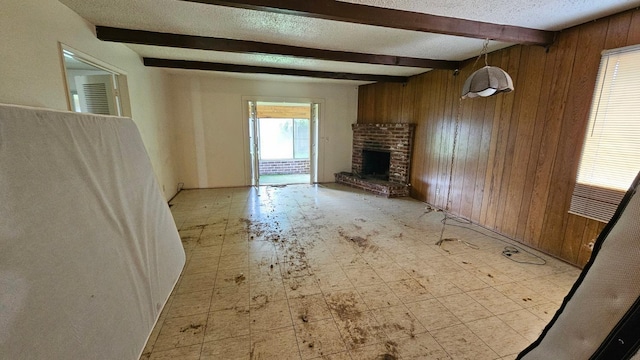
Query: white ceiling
[[180, 17]]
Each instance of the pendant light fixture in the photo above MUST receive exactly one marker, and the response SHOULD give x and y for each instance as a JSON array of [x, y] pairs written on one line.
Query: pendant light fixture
[[487, 81]]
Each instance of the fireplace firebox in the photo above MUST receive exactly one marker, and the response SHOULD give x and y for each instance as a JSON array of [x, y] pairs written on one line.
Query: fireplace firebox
[[375, 164]]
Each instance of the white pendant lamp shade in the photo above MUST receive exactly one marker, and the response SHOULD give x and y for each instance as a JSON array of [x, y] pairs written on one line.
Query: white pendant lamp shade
[[489, 80]]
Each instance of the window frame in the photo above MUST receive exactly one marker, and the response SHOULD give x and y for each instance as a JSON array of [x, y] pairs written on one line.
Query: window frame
[[594, 196]]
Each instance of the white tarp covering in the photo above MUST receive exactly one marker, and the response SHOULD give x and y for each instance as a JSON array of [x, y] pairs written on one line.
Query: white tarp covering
[[89, 252]]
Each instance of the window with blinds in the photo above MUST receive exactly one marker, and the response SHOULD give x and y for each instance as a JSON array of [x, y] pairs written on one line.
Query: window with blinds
[[611, 153]]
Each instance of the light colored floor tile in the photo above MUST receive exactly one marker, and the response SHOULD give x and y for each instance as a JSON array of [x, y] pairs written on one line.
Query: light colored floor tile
[[236, 348], [201, 265], [551, 291], [564, 279], [345, 304], [234, 249], [525, 323], [309, 309], [382, 350], [545, 311], [270, 315], [409, 290], [378, 296], [465, 280], [190, 304], [521, 295], [265, 272], [184, 353], [444, 264], [332, 281], [179, 332], [461, 343], [276, 345], [360, 330], [302, 286], [421, 346], [398, 322], [234, 261], [492, 276], [337, 356], [327, 264], [264, 292], [196, 282], [470, 261], [391, 272], [274, 269], [208, 238], [510, 357], [417, 268], [232, 277], [494, 300], [230, 297], [227, 323], [362, 275], [464, 307], [499, 336], [319, 338], [438, 286], [432, 314], [345, 258], [200, 251]]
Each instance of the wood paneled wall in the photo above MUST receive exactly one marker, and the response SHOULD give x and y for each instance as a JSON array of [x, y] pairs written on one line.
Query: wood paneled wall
[[517, 154]]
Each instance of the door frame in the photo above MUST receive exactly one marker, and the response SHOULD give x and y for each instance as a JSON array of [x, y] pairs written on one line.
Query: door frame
[[315, 128], [120, 78]]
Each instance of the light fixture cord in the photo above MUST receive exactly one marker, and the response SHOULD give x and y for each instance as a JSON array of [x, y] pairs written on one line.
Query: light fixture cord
[[453, 158], [485, 48], [484, 51]]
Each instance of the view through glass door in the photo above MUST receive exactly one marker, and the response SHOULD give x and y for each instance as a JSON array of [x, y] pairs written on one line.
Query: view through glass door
[[282, 143]]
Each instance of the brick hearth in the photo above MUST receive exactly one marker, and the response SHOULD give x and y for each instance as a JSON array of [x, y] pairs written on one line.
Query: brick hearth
[[396, 139]]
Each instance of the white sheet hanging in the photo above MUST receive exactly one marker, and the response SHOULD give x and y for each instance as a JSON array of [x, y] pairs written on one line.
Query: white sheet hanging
[[89, 252]]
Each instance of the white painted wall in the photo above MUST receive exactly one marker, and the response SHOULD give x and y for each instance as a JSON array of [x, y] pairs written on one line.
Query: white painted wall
[[31, 73], [212, 126]]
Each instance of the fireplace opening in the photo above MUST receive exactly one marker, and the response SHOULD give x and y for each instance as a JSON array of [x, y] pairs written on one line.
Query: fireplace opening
[[375, 164]]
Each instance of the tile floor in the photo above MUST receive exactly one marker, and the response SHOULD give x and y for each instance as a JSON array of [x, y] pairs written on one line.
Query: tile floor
[[329, 272], [285, 179]]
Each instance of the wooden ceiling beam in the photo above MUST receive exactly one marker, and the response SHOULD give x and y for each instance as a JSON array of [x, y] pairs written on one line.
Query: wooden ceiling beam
[[393, 18], [143, 37], [209, 66]]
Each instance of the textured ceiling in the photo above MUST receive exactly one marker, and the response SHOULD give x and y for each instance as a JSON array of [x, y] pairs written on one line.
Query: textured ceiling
[[179, 17], [538, 14]]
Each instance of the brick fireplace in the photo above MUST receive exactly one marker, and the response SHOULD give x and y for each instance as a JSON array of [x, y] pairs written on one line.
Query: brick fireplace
[[380, 159]]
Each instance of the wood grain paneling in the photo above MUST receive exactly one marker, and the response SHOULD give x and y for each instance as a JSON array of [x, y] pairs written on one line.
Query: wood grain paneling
[[573, 126], [517, 153]]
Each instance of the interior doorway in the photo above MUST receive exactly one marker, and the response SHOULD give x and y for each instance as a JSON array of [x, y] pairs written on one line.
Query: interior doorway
[[283, 146], [93, 87]]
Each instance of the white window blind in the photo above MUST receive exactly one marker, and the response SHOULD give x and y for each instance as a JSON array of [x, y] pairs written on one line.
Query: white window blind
[[611, 153]]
